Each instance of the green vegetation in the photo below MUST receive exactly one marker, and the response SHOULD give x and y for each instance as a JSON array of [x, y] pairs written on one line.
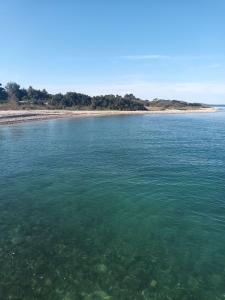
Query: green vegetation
[[174, 104], [13, 96], [3, 94]]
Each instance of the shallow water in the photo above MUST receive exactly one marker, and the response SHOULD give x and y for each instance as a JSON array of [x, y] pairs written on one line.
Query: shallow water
[[122, 207]]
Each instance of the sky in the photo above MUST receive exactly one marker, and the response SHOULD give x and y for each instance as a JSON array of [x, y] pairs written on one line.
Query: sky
[[169, 49]]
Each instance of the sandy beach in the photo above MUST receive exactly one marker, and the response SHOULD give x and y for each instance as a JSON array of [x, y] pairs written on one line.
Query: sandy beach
[[19, 116]]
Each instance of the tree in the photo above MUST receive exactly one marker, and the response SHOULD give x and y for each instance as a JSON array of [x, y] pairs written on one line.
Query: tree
[[57, 100], [37, 96], [3, 94], [13, 91], [31, 96]]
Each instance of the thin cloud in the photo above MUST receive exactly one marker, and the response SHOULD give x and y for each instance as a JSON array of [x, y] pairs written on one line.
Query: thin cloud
[[215, 66], [165, 57], [146, 57], [207, 92]]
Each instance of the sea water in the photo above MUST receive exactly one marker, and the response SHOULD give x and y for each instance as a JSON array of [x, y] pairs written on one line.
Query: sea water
[[121, 207]]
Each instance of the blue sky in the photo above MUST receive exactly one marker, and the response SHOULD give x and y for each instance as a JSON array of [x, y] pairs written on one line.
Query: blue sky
[[160, 48]]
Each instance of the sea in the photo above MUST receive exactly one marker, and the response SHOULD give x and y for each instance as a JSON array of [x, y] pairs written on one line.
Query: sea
[[113, 208]]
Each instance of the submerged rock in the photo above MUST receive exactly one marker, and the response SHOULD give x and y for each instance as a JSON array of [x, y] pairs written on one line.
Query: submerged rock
[[98, 295], [153, 283], [48, 282], [101, 268]]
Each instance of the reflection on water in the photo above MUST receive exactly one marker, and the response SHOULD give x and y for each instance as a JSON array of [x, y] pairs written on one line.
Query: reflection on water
[[113, 208]]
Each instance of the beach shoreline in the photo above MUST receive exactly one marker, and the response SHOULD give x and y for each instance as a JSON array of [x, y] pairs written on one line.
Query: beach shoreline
[[21, 116]]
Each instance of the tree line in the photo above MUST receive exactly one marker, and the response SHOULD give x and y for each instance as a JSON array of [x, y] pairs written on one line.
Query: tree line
[[13, 94]]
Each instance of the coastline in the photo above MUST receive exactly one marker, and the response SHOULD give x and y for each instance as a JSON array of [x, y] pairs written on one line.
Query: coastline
[[21, 116]]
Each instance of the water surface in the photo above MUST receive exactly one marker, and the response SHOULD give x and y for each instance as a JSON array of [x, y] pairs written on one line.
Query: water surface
[[122, 207]]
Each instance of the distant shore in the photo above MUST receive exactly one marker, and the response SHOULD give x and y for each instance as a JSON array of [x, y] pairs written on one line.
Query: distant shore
[[20, 116]]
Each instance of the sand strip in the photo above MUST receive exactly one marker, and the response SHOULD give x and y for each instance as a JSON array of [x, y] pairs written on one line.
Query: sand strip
[[19, 116]]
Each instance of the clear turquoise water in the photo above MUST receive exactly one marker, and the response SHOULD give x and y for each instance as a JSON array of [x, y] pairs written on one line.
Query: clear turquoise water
[[128, 207]]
